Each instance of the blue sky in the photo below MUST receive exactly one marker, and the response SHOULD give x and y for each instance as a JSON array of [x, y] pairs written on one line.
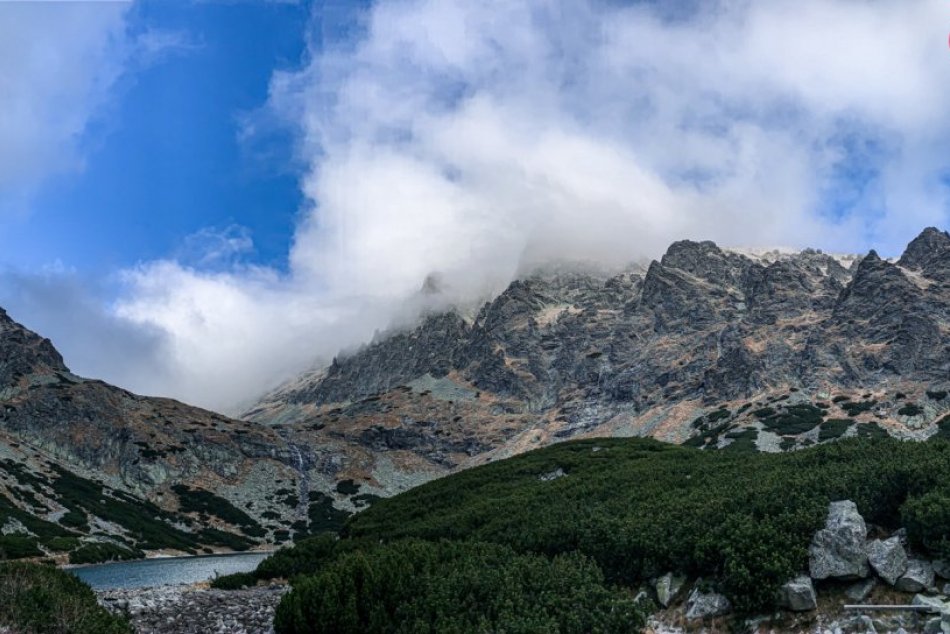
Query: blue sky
[[237, 191], [165, 160]]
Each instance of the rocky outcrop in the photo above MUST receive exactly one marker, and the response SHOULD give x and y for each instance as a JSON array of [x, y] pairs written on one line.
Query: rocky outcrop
[[838, 551], [919, 576], [888, 559], [668, 587], [798, 595], [702, 604]]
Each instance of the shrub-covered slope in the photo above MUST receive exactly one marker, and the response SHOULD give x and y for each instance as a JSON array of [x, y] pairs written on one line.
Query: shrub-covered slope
[[42, 599], [636, 508]]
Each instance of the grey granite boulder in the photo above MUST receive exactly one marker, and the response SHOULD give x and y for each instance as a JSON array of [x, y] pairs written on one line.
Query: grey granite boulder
[[839, 550], [918, 576], [938, 604], [667, 587], [888, 559], [942, 568], [798, 595], [701, 604], [861, 590]]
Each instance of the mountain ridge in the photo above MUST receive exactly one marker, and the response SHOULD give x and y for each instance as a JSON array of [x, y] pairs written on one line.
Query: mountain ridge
[[642, 352]]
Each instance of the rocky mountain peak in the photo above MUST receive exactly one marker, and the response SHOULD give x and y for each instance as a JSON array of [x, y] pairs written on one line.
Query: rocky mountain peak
[[24, 353], [705, 260], [930, 244]]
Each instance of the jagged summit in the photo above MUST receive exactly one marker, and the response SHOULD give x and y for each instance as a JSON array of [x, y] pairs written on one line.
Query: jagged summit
[[930, 245]]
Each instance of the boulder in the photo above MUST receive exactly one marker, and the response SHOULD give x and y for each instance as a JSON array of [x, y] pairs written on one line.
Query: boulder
[[942, 568], [938, 604], [701, 604], [798, 595], [888, 559], [918, 576], [861, 590], [839, 550], [667, 587]]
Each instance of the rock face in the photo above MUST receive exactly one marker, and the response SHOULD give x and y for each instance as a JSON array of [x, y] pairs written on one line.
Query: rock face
[[918, 576], [838, 551], [700, 605], [888, 559], [798, 595], [651, 350], [668, 587]]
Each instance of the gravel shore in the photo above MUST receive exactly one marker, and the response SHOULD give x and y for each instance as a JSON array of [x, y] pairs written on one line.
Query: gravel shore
[[196, 610]]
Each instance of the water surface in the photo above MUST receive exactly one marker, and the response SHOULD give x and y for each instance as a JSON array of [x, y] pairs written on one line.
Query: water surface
[[146, 573]]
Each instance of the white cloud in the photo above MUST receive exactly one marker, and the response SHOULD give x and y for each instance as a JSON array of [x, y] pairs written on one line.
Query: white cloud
[[59, 62], [475, 139]]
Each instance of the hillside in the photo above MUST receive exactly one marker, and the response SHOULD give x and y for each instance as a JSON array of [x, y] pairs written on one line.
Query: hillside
[[698, 538], [770, 349], [94, 471]]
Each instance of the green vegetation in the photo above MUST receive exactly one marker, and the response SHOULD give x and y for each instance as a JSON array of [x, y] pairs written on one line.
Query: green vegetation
[[639, 508], [853, 409], [871, 430], [18, 546], [833, 428], [347, 487], [430, 587], [43, 599], [743, 440], [943, 429], [323, 516], [201, 501], [794, 419], [911, 409], [936, 395], [40, 528], [94, 553], [234, 581], [149, 525]]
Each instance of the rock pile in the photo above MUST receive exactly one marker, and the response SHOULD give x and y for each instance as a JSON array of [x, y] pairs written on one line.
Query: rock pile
[[191, 610], [841, 551]]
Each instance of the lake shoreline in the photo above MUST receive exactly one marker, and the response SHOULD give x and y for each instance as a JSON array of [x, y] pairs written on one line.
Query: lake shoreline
[[165, 571], [157, 555]]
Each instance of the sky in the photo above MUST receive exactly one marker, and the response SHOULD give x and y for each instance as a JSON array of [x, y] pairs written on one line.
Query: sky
[[201, 198]]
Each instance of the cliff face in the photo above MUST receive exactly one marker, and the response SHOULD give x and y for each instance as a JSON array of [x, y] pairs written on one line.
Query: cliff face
[[93, 453], [640, 353]]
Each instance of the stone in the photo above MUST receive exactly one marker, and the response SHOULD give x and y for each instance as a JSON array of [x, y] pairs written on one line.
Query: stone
[[667, 587], [700, 605], [941, 568], [938, 604], [919, 576], [887, 558], [839, 550], [861, 590], [552, 475], [798, 595]]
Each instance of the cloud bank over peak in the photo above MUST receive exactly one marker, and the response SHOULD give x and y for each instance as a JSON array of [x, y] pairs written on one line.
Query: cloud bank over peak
[[479, 139]]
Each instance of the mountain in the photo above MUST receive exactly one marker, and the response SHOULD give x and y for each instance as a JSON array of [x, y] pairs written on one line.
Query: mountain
[[768, 350], [95, 471]]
